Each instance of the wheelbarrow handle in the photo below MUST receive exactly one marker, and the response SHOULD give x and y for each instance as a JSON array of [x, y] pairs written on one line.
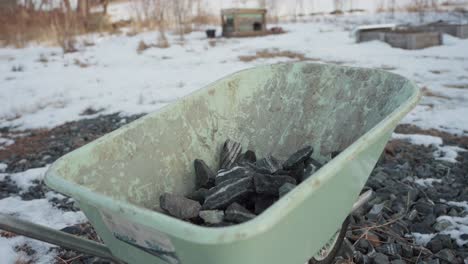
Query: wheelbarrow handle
[[52, 236]]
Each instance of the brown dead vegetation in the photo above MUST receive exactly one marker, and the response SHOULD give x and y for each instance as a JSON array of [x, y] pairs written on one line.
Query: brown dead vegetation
[[268, 54]]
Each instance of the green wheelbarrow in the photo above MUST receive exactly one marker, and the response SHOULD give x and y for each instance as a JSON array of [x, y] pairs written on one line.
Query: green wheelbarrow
[[117, 179]]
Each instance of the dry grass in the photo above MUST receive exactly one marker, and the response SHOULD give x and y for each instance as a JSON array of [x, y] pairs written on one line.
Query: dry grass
[[427, 92], [20, 26], [267, 54]]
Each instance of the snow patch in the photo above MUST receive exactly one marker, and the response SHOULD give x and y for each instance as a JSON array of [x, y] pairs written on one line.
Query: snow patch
[[3, 167], [427, 182], [422, 239], [5, 142], [445, 153], [26, 179]]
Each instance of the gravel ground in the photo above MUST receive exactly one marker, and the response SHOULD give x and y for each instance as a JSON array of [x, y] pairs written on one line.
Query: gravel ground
[[416, 195]]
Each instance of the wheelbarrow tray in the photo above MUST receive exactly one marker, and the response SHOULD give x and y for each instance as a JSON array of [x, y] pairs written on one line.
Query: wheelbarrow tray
[[117, 179]]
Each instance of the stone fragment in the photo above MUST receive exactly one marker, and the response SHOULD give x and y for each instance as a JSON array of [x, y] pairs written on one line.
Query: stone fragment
[[391, 249], [412, 215], [238, 214], [442, 224], [269, 184], [263, 202], [435, 245], [212, 216], [448, 255], [285, 188], [380, 258], [298, 172], [268, 165], [398, 261], [376, 211], [298, 157], [203, 173], [229, 154], [227, 192], [250, 156], [198, 195], [236, 172], [179, 206], [406, 251], [440, 209], [424, 208]]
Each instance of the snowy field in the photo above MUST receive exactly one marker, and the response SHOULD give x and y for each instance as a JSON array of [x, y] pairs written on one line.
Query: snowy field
[[43, 88]]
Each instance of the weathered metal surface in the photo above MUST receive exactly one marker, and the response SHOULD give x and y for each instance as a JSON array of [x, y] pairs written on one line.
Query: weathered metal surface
[[274, 109]]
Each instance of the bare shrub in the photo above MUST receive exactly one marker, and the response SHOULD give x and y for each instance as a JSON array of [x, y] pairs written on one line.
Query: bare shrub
[[142, 46], [267, 54]]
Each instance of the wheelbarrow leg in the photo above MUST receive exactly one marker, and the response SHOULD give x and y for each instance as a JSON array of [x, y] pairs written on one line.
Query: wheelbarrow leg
[[327, 253], [52, 236]]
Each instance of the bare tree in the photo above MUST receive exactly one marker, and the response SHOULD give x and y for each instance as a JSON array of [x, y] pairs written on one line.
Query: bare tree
[[181, 10], [82, 8]]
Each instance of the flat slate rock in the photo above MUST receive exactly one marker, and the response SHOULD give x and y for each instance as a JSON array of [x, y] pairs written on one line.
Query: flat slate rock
[[270, 184], [203, 173], [179, 206], [229, 154], [262, 202], [298, 157], [236, 213], [236, 172], [227, 192], [268, 165], [198, 195]]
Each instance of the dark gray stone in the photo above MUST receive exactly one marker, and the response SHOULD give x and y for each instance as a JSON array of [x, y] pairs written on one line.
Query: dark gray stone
[[250, 156], [424, 208], [269, 184], [268, 164], [198, 195], [236, 172], [263, 202], [298, 157], [448, 255], [285, 188], [398, 261], [227, 192], [446, 240], [406, 251], [212, 216], [391, 249], [298, 172], [229, 154], [238, 214], [376, 211], [440, 209], [435, 245], [179, 206], [380, 258], [203, 173]]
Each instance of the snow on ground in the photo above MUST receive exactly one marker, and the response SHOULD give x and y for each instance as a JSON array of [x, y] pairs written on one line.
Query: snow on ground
[[39, 211], [427, 182], [111, 75], [443, 152]]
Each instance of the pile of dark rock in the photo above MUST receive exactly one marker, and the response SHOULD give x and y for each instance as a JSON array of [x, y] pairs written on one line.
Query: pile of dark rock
[[242, 188], [409, 205]]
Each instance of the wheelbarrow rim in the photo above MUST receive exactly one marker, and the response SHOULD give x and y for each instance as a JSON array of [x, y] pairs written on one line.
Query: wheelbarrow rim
[[259, 224]]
